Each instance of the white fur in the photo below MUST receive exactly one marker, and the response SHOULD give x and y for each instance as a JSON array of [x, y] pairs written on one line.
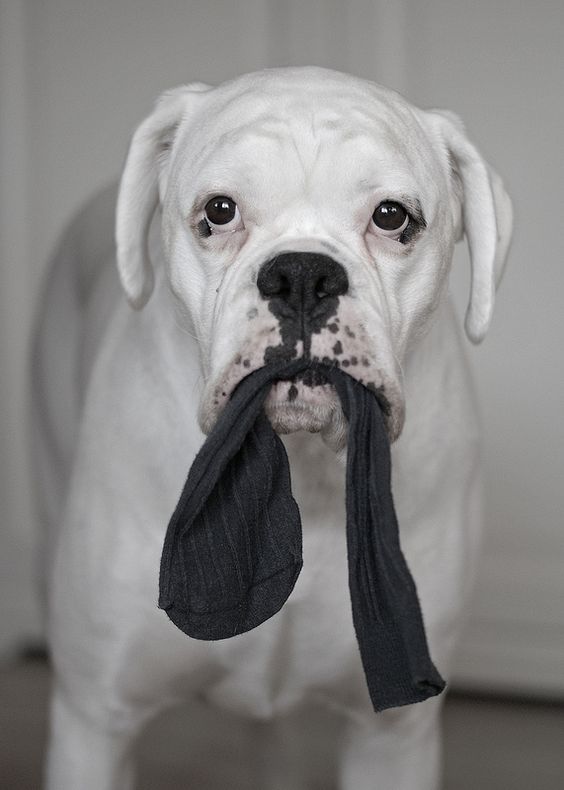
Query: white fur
[[307, 154]]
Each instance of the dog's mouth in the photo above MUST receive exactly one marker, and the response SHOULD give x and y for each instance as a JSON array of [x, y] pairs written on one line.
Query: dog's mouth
[[306, 402]]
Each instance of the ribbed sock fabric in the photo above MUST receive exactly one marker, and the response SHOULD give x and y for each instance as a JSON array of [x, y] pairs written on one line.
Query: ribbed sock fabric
[[233, 548]]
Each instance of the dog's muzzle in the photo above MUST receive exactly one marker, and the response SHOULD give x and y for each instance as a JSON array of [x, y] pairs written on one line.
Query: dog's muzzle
[[304, 309]]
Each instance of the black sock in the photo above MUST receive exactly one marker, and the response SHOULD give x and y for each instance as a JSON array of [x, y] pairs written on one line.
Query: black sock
[[233, 548]]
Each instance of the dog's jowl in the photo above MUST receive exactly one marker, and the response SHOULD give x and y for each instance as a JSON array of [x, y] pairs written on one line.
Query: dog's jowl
[[290, 215]]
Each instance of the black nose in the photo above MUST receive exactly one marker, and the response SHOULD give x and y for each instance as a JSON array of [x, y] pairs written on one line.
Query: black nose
[[302, 285]]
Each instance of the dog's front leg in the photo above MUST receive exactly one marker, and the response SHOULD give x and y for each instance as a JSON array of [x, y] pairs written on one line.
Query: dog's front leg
[[285, 759], [396, 750], [84, 752]]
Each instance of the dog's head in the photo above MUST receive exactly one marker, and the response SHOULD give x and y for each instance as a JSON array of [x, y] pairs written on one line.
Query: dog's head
[[306, 212]]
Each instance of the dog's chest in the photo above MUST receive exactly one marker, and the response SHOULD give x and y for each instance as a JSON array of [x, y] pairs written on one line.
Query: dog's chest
[[308, 648]]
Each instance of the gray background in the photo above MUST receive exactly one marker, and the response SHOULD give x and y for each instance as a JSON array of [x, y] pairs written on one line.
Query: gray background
[[76, 77]]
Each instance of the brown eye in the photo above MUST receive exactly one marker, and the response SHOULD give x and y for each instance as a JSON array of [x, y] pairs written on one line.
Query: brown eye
[[220, 210], [391, 217]]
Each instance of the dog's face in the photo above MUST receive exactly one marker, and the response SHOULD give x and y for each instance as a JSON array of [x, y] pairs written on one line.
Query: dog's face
[[305, 212]]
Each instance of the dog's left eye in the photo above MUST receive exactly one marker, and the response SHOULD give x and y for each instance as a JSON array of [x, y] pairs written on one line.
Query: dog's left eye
[[391, 218], [221, 215]]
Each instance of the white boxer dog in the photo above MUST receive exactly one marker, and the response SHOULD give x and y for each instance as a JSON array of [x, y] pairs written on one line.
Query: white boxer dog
[[260, 174]]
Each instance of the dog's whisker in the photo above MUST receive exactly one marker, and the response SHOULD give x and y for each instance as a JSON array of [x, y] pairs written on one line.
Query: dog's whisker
[[178, 324]]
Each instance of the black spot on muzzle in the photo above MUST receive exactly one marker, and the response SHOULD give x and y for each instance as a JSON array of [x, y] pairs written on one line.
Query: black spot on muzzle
[[303, 290]]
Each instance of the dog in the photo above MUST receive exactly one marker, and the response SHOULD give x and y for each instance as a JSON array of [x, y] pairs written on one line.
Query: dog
[[222, 184]]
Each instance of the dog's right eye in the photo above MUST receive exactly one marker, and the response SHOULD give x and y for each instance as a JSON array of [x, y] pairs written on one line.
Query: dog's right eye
[[221, 215]]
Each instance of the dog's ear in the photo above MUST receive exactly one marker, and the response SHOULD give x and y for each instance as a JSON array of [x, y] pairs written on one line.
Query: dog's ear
[[484, 215], [143, 178]]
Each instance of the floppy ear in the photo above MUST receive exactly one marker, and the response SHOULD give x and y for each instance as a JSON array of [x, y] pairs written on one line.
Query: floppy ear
[[487, 219], [139, 190]]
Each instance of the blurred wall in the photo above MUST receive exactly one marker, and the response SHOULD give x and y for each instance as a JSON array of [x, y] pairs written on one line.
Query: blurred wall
[[77, 76]]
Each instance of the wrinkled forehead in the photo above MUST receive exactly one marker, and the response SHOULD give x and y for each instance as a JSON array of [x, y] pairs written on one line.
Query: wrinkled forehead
[[360, 125]]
